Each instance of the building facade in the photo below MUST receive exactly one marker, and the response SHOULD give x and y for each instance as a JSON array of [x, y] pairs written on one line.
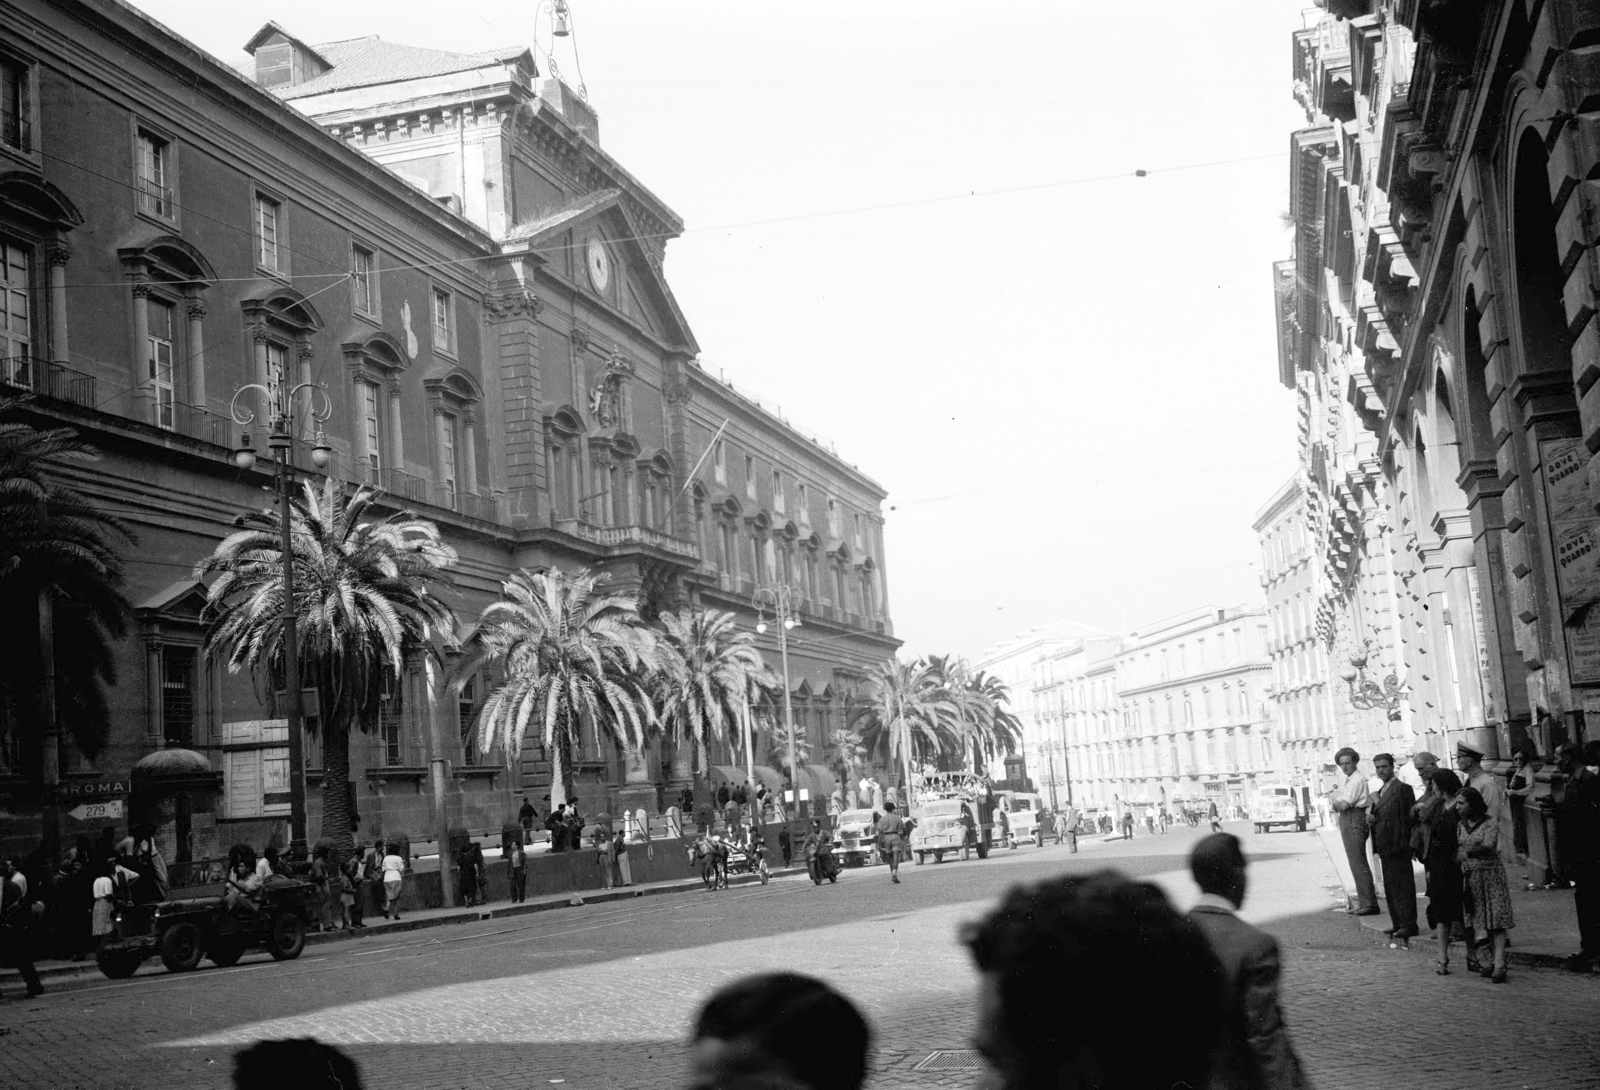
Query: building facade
[[1076, 688], [1301, 688], [435, 252]]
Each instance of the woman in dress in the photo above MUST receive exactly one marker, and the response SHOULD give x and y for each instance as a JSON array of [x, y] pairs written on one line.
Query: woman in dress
[[394, 872], [1436, 846], [1478, 852]]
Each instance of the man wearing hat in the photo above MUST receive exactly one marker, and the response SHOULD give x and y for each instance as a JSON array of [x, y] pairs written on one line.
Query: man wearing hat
[[1470, 763], [1578, 830], [1351, 801]]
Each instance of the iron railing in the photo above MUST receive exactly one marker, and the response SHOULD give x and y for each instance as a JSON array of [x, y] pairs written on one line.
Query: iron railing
[[46, 379]]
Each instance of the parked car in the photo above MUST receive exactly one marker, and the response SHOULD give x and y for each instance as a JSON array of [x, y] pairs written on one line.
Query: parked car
[[1277, 804], [183, 932]]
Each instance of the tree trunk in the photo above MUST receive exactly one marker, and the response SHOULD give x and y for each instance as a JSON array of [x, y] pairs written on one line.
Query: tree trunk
[[336, 785], [50, 735], [682, 760]]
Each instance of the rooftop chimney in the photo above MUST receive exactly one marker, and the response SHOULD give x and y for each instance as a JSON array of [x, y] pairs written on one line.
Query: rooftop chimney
[[571, 106]]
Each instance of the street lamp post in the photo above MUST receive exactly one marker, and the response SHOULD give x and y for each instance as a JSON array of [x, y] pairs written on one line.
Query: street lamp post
[[781, 595], [281, 441]]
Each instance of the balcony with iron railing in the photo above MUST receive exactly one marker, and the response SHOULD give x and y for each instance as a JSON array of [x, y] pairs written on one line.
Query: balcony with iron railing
[[625, 537], [45, 379], [155, 199]]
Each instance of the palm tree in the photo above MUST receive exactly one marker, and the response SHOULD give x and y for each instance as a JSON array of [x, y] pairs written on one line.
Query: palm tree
[[1002, 732], [60, 573], [906, 715], [710, 671], [366, 597], [569, 656], [778, 754]]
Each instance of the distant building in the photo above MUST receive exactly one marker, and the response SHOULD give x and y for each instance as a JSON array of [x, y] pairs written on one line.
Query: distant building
[[1075, 692], [1301, 688], [1014, 662], [1196, 722]]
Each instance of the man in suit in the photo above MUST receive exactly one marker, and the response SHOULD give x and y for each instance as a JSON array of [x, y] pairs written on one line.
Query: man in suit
[[1391, 843], [1254, 1052], [1578, 836]]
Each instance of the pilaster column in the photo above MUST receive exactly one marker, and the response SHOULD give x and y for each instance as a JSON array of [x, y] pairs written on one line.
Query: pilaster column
[[358, 426], [142, 390], [197, 350], [397, 449], [263, 378], [304, 407], [58, 254], [469, 445], [441, 439], [152, 672]]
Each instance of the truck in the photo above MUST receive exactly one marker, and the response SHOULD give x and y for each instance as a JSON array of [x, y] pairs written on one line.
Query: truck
[[1277, 804], [952, 823], [853, 840], [1025, 814]]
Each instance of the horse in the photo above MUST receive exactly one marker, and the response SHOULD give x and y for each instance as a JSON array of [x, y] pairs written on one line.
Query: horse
[[711, 856]]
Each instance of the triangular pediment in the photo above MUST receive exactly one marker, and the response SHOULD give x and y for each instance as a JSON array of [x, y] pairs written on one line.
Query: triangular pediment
[[631, 282], [184, 599]]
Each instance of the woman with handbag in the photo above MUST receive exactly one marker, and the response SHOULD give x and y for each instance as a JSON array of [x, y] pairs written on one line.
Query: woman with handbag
[[1488, 908], [1433, 842]]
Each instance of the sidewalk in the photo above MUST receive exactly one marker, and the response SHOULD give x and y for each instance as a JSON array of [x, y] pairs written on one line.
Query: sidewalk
[[1547, 923], [415, 921]]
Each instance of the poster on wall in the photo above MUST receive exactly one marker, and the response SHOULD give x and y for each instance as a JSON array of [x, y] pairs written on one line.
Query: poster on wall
[[1575, 537]]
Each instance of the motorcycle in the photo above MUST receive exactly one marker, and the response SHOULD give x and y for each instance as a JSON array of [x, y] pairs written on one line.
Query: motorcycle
[[825, 865]]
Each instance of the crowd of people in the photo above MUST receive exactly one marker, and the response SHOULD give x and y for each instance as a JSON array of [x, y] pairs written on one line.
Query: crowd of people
[[788, 1031], [1465, 829]]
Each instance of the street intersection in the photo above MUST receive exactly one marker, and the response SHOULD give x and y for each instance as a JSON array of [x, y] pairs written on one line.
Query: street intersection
[[601, 996]]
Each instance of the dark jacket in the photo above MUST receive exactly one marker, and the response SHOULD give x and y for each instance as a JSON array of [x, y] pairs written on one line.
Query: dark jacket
[[1392, 821], [1254, 1051], [1578, 819]]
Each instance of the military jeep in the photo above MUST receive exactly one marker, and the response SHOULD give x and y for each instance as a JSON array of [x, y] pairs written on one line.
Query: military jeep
[[184, 931]]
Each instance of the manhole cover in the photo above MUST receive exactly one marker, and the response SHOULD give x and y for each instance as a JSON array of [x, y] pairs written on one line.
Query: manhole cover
[[955, 1059]]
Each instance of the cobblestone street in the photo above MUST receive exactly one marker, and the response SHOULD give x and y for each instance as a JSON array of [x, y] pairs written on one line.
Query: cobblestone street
[[600, 996]]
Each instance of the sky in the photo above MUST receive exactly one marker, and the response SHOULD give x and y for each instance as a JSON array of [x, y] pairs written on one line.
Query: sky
[[917, 228]]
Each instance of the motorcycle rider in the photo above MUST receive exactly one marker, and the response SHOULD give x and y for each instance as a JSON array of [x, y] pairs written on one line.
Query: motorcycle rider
[[819, 853]]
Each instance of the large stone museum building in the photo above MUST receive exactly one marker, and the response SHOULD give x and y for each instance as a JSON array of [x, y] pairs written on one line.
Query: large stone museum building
[[440, 243]]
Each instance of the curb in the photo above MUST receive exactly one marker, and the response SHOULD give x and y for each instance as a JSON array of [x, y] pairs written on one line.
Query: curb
[[88, 968]]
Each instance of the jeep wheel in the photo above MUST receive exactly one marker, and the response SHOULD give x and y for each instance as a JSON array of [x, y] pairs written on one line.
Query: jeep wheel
[[983, 850], [288, 938], [181, 948], [119, 964], [225, 952]]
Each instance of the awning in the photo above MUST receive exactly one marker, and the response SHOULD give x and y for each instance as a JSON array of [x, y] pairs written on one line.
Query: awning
[[818, 781], [174, 768], [730, 774]]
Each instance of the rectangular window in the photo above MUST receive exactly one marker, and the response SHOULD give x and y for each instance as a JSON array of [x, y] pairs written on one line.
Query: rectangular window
[[370, 421], [267, 256], [16, 313], [390, 722], [158, 315], [749, 477], [361, 284], [177, 695], [15, 131], [857, 520], [778, 503], [466, 708], [805, 505], [719, 459], [155, 163], [442, 321], [447, 458], [833, 518]]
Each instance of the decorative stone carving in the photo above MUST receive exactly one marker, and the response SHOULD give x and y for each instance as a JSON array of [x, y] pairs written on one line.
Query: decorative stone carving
[[197, 309], [58, 253], [605, 400], [677, 393], [520, 304]]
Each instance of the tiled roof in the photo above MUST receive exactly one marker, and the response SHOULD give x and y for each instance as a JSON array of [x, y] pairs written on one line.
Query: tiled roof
[[365, 62]]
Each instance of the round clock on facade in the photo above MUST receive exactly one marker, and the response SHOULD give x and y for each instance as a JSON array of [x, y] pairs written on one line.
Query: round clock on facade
[[599, 263]]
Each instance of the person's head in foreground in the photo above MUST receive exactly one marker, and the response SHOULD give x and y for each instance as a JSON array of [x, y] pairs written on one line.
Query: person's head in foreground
[[778, 1031], [301, 1062], [1039, 1030], [1218, 866]]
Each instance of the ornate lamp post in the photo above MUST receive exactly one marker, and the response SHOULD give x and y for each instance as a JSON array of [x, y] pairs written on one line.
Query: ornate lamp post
[[1365, 693], [781, 596], [281, 441]]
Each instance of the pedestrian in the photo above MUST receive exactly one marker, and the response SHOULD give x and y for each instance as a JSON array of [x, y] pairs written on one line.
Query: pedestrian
[[1578, 838], [268, 864], [526, 815], [619, 849], [1519, 786], [350, 891], [891, 830], [604, 852], [154, 865], [104, 889], [723, 796], [1002, 826], [17, 926], [813, 852], [1436, 843], [1350, 800], [394, 873], [1470, 763], [301, 1062], [1216, 817], [1391, 843], [518, 862], [574, 824], [686, 801], [1150, 821], [322, 879], [1124, 937], [786, 844], [556, 823], [372, 875], [1256, 1050], [469, 875], [778, 1031], [1488, 898]]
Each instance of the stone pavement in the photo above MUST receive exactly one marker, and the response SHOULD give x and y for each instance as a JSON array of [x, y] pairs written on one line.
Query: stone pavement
[[1547, 923], [600, 996]]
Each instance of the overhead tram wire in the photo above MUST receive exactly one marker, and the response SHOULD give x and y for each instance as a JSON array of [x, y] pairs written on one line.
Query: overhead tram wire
[[560, 247]]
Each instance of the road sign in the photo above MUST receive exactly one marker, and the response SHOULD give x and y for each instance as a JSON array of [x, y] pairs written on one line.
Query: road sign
[[110, 810]]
